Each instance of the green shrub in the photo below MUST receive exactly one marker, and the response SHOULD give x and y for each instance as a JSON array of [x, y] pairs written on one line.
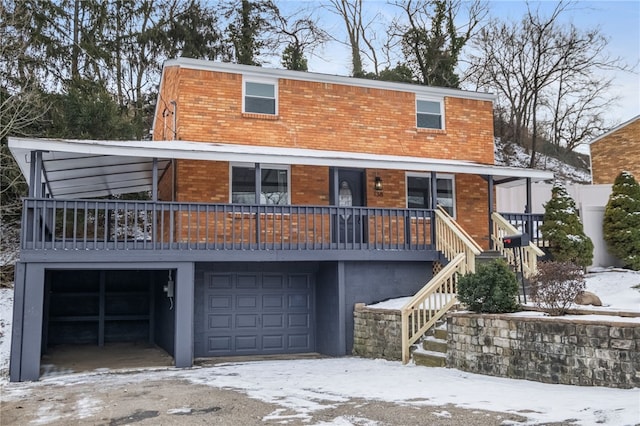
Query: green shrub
[[621, 222], [562, 228], [493, 288]]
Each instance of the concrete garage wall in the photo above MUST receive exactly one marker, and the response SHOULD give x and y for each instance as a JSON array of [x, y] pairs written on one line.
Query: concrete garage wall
[[548, 350], [372, 282]]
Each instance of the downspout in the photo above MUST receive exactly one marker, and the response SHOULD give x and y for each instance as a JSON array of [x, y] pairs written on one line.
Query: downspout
[[175, 119]]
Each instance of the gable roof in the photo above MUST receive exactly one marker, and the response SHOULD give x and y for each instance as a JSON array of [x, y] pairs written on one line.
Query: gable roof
[[85, 169], [615, 129]]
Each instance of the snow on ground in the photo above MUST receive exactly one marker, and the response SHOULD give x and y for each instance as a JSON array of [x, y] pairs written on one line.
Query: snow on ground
[[6, 316], [306, 386], [510, 154]]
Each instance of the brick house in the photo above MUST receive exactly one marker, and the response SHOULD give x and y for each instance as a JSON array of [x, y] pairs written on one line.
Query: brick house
[[615, 151], [278, 200]]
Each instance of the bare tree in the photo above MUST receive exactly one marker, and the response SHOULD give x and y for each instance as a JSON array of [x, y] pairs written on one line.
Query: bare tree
[[299, 35], [432, 34], [545, 74], [359, 31]]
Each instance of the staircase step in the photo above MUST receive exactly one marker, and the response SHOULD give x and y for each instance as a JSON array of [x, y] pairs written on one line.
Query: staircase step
[[441, 333], [435, 345], [429, 359]]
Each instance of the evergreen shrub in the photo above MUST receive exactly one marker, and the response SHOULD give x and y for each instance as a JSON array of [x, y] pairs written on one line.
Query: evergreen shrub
[[493, 288], [621, 222], [562, 228]]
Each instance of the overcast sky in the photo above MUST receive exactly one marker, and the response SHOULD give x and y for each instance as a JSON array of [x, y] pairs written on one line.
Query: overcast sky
[[617, 20]]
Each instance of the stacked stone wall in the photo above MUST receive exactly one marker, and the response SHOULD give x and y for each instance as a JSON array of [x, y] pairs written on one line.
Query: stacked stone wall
[[377, 333], [546, 349]]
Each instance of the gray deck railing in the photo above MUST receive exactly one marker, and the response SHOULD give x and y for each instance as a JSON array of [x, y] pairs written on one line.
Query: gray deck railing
[[146, 225], [528, 223]]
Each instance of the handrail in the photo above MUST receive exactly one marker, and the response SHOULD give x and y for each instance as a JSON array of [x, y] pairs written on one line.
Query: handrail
[[530, 253], [453, 222], [430, 303], [452, 240]]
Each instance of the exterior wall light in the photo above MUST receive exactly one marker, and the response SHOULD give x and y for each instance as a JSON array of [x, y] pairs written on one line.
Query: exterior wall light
[[377, 185]]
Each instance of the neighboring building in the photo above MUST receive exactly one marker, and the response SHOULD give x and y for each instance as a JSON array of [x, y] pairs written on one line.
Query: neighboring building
[[279, 199], [616, 151]]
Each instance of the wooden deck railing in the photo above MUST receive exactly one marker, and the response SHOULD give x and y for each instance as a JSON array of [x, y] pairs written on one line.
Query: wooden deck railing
[[438, 296], [502, 228], [528, 223], [147, 225]]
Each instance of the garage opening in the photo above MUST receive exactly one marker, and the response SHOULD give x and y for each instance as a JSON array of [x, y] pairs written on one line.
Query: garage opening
[[107, 319]]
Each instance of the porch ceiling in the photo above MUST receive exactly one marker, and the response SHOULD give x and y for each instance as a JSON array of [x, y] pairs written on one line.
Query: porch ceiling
[[84, 169]]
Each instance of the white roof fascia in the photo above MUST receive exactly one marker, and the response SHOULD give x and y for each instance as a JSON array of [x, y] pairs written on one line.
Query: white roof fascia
[[20, 148], [249, 70]]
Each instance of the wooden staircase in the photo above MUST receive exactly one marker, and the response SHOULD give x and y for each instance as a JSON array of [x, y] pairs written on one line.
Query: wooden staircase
[[433, 348], [439, 295]]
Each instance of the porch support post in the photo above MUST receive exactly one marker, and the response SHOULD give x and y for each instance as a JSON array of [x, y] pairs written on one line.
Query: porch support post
[[37, 182], [434, 204], [32, 174], [154, 183], [26, 339], [258, 176], [527, 210], [490, 199], [342, 310], [184, 305]]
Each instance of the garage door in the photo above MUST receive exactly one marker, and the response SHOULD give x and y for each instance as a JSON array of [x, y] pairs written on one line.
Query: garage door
[[258, 313]]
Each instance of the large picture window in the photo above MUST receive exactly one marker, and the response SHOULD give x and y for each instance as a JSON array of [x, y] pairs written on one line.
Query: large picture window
[[429, 114], [419, 192], [274, 185], [260, 97]]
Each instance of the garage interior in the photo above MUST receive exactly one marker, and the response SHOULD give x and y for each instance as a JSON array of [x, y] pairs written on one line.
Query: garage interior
[[107, 319]]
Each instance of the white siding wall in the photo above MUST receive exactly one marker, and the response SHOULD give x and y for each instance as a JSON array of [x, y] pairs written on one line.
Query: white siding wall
[[590, 200]]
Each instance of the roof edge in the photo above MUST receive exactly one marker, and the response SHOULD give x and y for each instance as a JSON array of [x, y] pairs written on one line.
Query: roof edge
[[615, 129], [204, 65]]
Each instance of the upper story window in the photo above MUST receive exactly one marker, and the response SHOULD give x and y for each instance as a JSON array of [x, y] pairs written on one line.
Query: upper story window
[[260, 97], [274, 184], [429, 114], [419, 192]]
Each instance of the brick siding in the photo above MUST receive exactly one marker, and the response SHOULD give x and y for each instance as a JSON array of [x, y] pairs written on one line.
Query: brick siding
[[323, 116], [616, 152]]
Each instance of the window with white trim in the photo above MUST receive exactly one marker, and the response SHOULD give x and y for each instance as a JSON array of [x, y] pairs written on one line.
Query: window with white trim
[[260, 97], [274, 184], [419, 191], [429, 114]]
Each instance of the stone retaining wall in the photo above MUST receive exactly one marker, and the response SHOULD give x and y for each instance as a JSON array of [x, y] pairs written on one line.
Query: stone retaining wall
[[377, 333], [546, 349]]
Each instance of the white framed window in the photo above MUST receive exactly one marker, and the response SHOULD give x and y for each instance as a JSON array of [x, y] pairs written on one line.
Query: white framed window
[[260, 96], [429, 114], [419, 191], [274, 184]]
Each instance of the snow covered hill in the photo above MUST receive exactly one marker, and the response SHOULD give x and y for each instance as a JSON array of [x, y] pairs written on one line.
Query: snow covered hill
[[510, 154]]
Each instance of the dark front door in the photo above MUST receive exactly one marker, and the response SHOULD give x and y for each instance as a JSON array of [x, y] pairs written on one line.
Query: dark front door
[[349, 223]]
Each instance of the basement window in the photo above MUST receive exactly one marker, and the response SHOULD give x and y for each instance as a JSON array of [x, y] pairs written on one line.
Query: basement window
[[259, 97]]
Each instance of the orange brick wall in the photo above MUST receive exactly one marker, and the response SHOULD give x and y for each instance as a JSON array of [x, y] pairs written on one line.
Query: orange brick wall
[[322, 116], [616, 152]]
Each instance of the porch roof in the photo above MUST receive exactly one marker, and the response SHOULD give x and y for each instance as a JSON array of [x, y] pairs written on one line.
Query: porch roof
[[93, 168]]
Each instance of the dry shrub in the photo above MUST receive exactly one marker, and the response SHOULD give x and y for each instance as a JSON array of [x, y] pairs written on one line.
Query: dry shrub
[[556, 285]]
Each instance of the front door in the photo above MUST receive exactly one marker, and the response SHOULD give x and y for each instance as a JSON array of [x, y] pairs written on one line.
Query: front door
[[349, 223]]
